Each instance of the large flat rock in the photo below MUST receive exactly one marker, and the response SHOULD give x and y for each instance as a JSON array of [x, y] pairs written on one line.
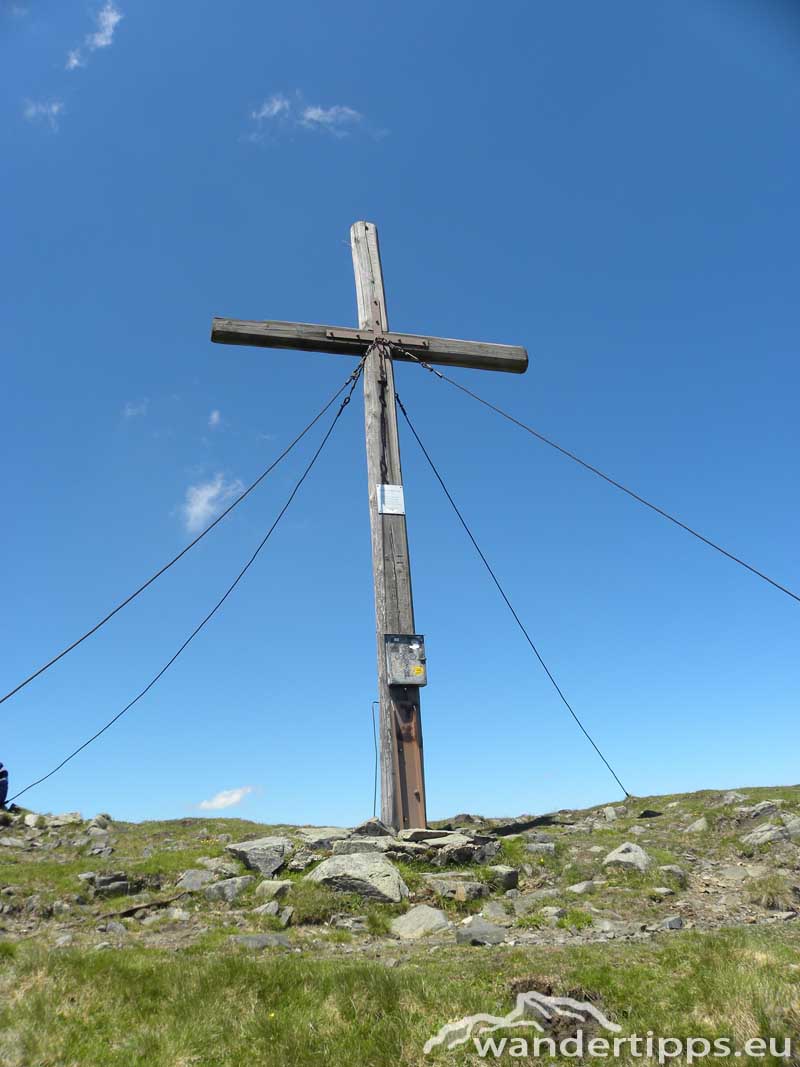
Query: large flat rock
[[265, 854], [369, 875]]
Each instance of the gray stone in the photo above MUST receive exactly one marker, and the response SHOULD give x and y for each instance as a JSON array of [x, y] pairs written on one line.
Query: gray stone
[[229, 889], [479, 932], [792, 824], [273, 889], [454, 886], [322, 836], [63, 941], [699, 826], [34, 821], [765, 835], [285, 915], [372, 828], [581, 888], [265, 854], [551, 912], [732, 798], [504, 877], [13, 842], [629, 856], [609, 814], [638, 830], [373, 877], [543, 848], [68, 818], [421, 834], [177, 915], [418, 922], [678, 873], [659, 892], [113, 927], [220, 866], [258, 942], [302, 860], [672, 922], [354, 845], [499, 911], [270, 908], [192, 881]]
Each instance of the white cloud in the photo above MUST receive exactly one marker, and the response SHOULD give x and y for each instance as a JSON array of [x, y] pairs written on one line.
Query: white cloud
[[108, 17], [227, 798], [131, 410], [271, 108], [214, 419], [336, 118], [207, 499], [44, 110], [281, 112]]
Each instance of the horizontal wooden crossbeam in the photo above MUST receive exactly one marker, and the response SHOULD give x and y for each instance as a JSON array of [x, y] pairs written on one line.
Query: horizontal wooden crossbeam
[[345, 341]]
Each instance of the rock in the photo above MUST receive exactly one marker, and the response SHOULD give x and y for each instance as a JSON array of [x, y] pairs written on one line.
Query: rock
[[477, 931], [273, 889], [271, 908], [661, 892], [69, 818], [116, 885], [102, 822], [678, 873], [36, 822], [372, 828], [265, 855], [285, 915], [228, 889], [13, 842], [302, 860], [551, 912], [581, 888], [731, 798], [192, 881], [629, 856], [177, 915], [220, 866], [258, 942], [699, 826], [638, 830], [63, 941], [322, 836], [792, 824], [525, 903], [672, 922], [422, 834], [357, 924], [355, 845], [456, 885], [418, 922], [763, 809], [542, 848], [609, 814], [373, 877], [765, 835], [499, 911], [504, 877], [113, 927]]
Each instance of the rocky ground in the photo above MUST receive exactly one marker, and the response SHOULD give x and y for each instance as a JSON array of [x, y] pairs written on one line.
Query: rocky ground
[[622, 872]]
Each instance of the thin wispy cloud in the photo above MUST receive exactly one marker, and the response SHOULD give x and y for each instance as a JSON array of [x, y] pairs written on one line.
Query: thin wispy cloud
[[47, 111], [214, 419], [227, 798], [337, 119], [206, 500], [133, 410], [271, 108], [106, 22], [280, 113]]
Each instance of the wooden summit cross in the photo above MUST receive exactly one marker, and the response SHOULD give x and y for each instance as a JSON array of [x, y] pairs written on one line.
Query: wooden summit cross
[[402, 771]]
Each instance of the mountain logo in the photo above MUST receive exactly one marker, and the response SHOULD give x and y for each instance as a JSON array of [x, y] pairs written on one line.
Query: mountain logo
[[529, 1009]]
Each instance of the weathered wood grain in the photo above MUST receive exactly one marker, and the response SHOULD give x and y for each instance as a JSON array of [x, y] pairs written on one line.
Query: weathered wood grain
[[345, 341], [400, 736]]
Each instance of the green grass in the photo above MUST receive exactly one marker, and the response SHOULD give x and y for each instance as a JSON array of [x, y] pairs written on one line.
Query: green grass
[[225, 1008]]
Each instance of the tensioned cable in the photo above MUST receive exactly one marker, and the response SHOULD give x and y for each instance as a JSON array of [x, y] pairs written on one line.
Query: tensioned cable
[[183, 551], [600, 474], [355, 376], [509, 605]]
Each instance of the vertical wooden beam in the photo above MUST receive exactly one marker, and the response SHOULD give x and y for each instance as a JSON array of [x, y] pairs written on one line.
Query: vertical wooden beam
[[401, 755]]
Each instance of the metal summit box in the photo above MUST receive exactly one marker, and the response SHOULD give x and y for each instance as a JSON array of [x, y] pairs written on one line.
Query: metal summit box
[[405, 659]]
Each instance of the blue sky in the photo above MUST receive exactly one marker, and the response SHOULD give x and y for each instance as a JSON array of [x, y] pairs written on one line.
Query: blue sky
[[613, 186]]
